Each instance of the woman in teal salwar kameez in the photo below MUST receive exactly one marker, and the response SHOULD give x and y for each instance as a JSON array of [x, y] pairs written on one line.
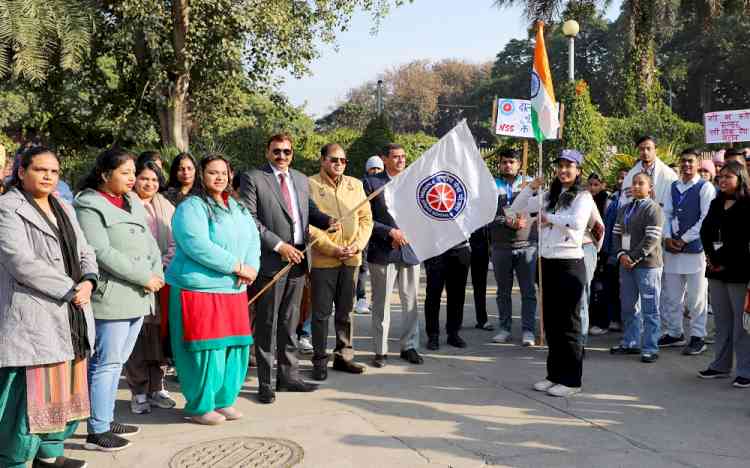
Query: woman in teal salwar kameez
[[217, 256]]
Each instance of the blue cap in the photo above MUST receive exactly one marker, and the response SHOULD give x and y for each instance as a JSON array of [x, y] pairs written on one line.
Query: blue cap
[[572, 156]]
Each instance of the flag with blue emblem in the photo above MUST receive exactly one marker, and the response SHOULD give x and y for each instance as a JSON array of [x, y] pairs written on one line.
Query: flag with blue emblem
[[444, 196]]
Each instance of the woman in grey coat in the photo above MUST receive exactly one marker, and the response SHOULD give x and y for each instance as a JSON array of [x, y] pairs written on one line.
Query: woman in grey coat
[[47, 274], [114, 222]]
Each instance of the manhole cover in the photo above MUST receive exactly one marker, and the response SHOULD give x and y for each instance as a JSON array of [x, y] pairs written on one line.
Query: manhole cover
[[246, 452]]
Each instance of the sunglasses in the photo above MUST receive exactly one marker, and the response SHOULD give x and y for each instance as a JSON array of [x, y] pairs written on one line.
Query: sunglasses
[[278, 151], [338, 160]]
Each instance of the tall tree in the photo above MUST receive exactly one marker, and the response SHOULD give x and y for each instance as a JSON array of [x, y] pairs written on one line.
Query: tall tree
[[181, 58]]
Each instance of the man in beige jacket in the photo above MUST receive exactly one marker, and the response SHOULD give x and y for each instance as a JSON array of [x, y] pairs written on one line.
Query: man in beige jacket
[[336, 258]]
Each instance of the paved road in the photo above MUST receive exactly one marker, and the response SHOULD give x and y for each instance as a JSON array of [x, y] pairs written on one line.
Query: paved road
[[475, 407]]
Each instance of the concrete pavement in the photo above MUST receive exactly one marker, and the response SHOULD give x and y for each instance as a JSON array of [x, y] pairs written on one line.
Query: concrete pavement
[[475, 407]]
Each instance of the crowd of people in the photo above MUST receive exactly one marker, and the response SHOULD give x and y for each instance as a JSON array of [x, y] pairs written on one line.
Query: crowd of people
[[137, 273]]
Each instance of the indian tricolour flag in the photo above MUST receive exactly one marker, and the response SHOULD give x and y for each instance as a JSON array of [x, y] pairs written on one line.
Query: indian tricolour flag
[[544, 117]]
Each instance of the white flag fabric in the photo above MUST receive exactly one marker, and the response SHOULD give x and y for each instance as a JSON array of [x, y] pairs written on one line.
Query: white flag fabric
[[444, 196]]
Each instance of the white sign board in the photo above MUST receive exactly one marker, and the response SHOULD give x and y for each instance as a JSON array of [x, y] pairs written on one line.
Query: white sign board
[[514, 118], [727, 126]]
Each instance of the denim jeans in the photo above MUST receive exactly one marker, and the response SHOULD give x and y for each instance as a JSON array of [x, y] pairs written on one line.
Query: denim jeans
[[642, 284], [589, 259], [304, 329], [523, 262], [115, 340]]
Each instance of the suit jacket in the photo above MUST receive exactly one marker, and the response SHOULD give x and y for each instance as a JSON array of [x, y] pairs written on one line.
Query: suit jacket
[[380, 250], [260, 192]]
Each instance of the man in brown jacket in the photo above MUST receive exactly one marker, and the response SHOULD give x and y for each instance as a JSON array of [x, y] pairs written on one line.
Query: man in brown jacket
[[336, 258]]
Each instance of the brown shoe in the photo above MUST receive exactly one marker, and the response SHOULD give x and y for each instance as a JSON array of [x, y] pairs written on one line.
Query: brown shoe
[[350, 367], [212, 418], [230, 412]]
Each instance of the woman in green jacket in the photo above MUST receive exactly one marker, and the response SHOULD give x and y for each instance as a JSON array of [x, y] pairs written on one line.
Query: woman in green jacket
[[217, 256], [114, 222]]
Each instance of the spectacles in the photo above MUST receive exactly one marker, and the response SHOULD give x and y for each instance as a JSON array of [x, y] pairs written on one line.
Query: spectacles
[[338, 160], [278, 151]]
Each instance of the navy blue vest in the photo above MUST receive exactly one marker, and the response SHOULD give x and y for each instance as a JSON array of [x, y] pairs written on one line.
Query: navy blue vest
[[686, 207]]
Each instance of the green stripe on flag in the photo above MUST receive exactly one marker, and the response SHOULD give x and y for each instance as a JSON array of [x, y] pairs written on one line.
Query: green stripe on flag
[[538, 133]]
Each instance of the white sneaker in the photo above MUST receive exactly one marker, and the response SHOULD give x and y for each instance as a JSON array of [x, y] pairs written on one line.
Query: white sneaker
[[502, 337], [563, 391], [597, 331], [162, 399], [139, 404], [615, 326], [362, 307], [543, 386], [528, 339], [304, 345]]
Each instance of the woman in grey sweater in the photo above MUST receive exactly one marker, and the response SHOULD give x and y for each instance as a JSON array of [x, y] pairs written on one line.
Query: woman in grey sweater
[[46, 325]]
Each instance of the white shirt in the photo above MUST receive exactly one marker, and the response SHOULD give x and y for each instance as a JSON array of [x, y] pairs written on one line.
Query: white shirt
[[662, 176], [686, 263], [563, 237], [296, 217]]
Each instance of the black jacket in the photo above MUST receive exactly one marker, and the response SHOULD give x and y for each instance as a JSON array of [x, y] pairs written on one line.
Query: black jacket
[[728, 230], [379, 250]]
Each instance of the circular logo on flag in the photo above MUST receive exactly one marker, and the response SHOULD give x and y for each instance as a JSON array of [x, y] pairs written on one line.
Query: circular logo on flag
[[535, 83], [506, 107], [441, 196]]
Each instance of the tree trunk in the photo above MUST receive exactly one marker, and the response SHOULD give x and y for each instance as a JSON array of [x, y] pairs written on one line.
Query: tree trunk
[[642, 82], [174, 117]]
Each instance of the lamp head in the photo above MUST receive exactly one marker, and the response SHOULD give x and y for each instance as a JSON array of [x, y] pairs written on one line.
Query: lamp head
[[571, 28]]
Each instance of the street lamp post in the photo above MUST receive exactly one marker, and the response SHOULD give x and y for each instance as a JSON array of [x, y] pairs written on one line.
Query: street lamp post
[[570, 29], [380, 97]]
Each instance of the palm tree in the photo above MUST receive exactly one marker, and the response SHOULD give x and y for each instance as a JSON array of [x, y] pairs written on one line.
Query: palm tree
[[34, 34]]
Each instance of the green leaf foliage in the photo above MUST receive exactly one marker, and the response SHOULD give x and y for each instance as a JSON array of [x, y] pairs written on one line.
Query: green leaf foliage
[[377, 134]]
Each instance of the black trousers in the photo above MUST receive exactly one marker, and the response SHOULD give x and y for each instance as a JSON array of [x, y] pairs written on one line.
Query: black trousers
[[362, 275], [332, 286], [562, 282], [276, 315], [448, 271], [480, 261]]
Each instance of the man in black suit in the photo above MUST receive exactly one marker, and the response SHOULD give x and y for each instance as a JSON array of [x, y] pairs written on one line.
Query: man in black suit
[[278, 197], [391, 260]]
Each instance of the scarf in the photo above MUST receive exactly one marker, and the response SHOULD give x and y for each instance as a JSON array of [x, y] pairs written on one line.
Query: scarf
[[66, 236]]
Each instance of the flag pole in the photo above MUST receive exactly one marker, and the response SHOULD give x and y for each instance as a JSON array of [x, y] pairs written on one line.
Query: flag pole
[[289, 266], [540, 174]]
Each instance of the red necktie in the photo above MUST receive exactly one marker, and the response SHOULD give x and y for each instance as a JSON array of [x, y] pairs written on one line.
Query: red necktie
[[285, 193]]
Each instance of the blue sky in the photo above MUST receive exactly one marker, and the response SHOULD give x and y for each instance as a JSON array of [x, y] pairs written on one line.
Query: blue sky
[[425, 29]]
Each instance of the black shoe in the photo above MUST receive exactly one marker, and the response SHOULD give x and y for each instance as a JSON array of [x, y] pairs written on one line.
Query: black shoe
[[412, 356], [741, 382], [712, 374], [484, 326], [379, 360], [667, 341], [320, 373], [60, 462], [648, 358], [347, 366], [266, 395], [106, 442], [433, 343], [620, 350], [296, 386], [123, 430], [456, 341], [696, 346]]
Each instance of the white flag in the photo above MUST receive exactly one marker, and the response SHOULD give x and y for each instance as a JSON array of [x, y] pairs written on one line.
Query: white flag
[[443, 197]]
